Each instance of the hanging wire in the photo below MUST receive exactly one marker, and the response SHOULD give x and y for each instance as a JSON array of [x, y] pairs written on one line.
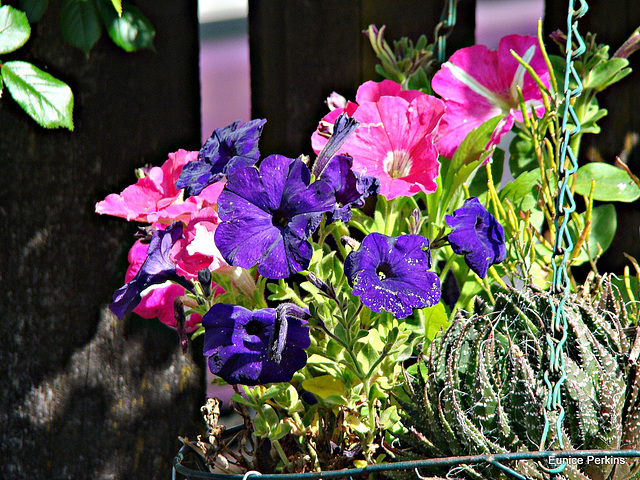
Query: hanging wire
[[444, 28], [563, 245]]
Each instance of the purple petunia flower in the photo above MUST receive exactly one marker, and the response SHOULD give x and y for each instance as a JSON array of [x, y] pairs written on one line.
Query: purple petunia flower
[[156, 269], [393, 273], [228, 149], [236, 341], [477, 235], [268, 215], [350, 189]]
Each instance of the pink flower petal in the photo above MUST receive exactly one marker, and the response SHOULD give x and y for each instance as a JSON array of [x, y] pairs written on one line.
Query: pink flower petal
[[150, 196], [478, 84]]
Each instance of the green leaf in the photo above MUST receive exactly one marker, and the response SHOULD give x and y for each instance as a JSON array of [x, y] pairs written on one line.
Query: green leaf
[[131, 31], [604, 223], [14, 29], [435, 319], [523, 192], [34, 8], [243, 401], [46, 99], [472, 149], [606, 73], [80, 24], [478, 185], [324, 386], [612, 183], [522, 157]]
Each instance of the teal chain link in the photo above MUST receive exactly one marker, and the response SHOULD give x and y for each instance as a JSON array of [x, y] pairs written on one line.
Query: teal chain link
[[563, 244], [444, 28]]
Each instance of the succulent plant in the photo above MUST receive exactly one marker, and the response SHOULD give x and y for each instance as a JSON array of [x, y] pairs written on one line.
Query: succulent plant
[[480, 388]]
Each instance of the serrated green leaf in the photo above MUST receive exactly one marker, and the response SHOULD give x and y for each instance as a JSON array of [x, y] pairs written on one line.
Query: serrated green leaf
[[612, 184], [80, 24], [46, 99], [34, 8], [14, 29], [130, 30]]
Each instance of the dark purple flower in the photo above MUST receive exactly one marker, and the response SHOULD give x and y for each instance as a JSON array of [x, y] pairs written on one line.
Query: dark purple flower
[[237, 340], [350, 189], [156, 269], [227, 150], [477, 235], [392, 273], [268, 216]]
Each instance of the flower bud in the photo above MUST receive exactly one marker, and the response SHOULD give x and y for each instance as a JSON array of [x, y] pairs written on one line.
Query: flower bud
[[204, 277], [631, 45]]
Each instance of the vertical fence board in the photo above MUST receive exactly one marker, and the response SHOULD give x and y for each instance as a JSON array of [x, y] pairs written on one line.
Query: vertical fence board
[[82, 394], [302, 50]]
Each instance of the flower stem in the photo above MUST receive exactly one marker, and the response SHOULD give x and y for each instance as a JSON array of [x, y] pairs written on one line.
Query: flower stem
[[281, 454]]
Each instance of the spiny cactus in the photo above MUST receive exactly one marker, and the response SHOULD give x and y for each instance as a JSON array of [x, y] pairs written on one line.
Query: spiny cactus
[[480, 389]]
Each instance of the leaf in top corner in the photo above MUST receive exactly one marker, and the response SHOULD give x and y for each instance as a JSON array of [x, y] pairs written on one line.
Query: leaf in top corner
[[14, 29], [131, 31], [46, 99], [80, 24], [33, 8]]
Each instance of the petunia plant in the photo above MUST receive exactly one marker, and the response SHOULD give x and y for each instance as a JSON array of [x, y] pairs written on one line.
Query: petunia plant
[[316, 282]]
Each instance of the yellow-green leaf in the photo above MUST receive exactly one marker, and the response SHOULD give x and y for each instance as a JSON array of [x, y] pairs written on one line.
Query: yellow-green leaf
[[324, 386]]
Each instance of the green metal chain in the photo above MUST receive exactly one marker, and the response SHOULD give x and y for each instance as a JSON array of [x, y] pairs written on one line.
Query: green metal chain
[[563, 245], [444, 28]]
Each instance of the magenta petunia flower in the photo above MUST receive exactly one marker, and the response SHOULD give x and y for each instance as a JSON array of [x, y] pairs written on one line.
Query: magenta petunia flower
[[155, 198], [478, 84], [395, 139]]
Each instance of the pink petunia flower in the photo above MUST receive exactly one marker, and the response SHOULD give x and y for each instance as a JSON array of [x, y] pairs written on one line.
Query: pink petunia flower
[[197, 250], [395, 139], [478, 84], [154, 197]]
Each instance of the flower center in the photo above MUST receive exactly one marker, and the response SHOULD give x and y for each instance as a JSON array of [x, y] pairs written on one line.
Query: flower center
[[397, 164], [280, 219], [254, 328], [384, 271]]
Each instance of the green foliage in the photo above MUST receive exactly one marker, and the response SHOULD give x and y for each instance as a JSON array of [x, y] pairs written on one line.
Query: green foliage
[[130, 29], [46, 99], [14, 29], [34, 9], [612, 184], [80, 24]]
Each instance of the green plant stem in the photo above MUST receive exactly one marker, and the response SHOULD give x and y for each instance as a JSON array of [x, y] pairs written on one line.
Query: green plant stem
[[390, 214], [281, 454]]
